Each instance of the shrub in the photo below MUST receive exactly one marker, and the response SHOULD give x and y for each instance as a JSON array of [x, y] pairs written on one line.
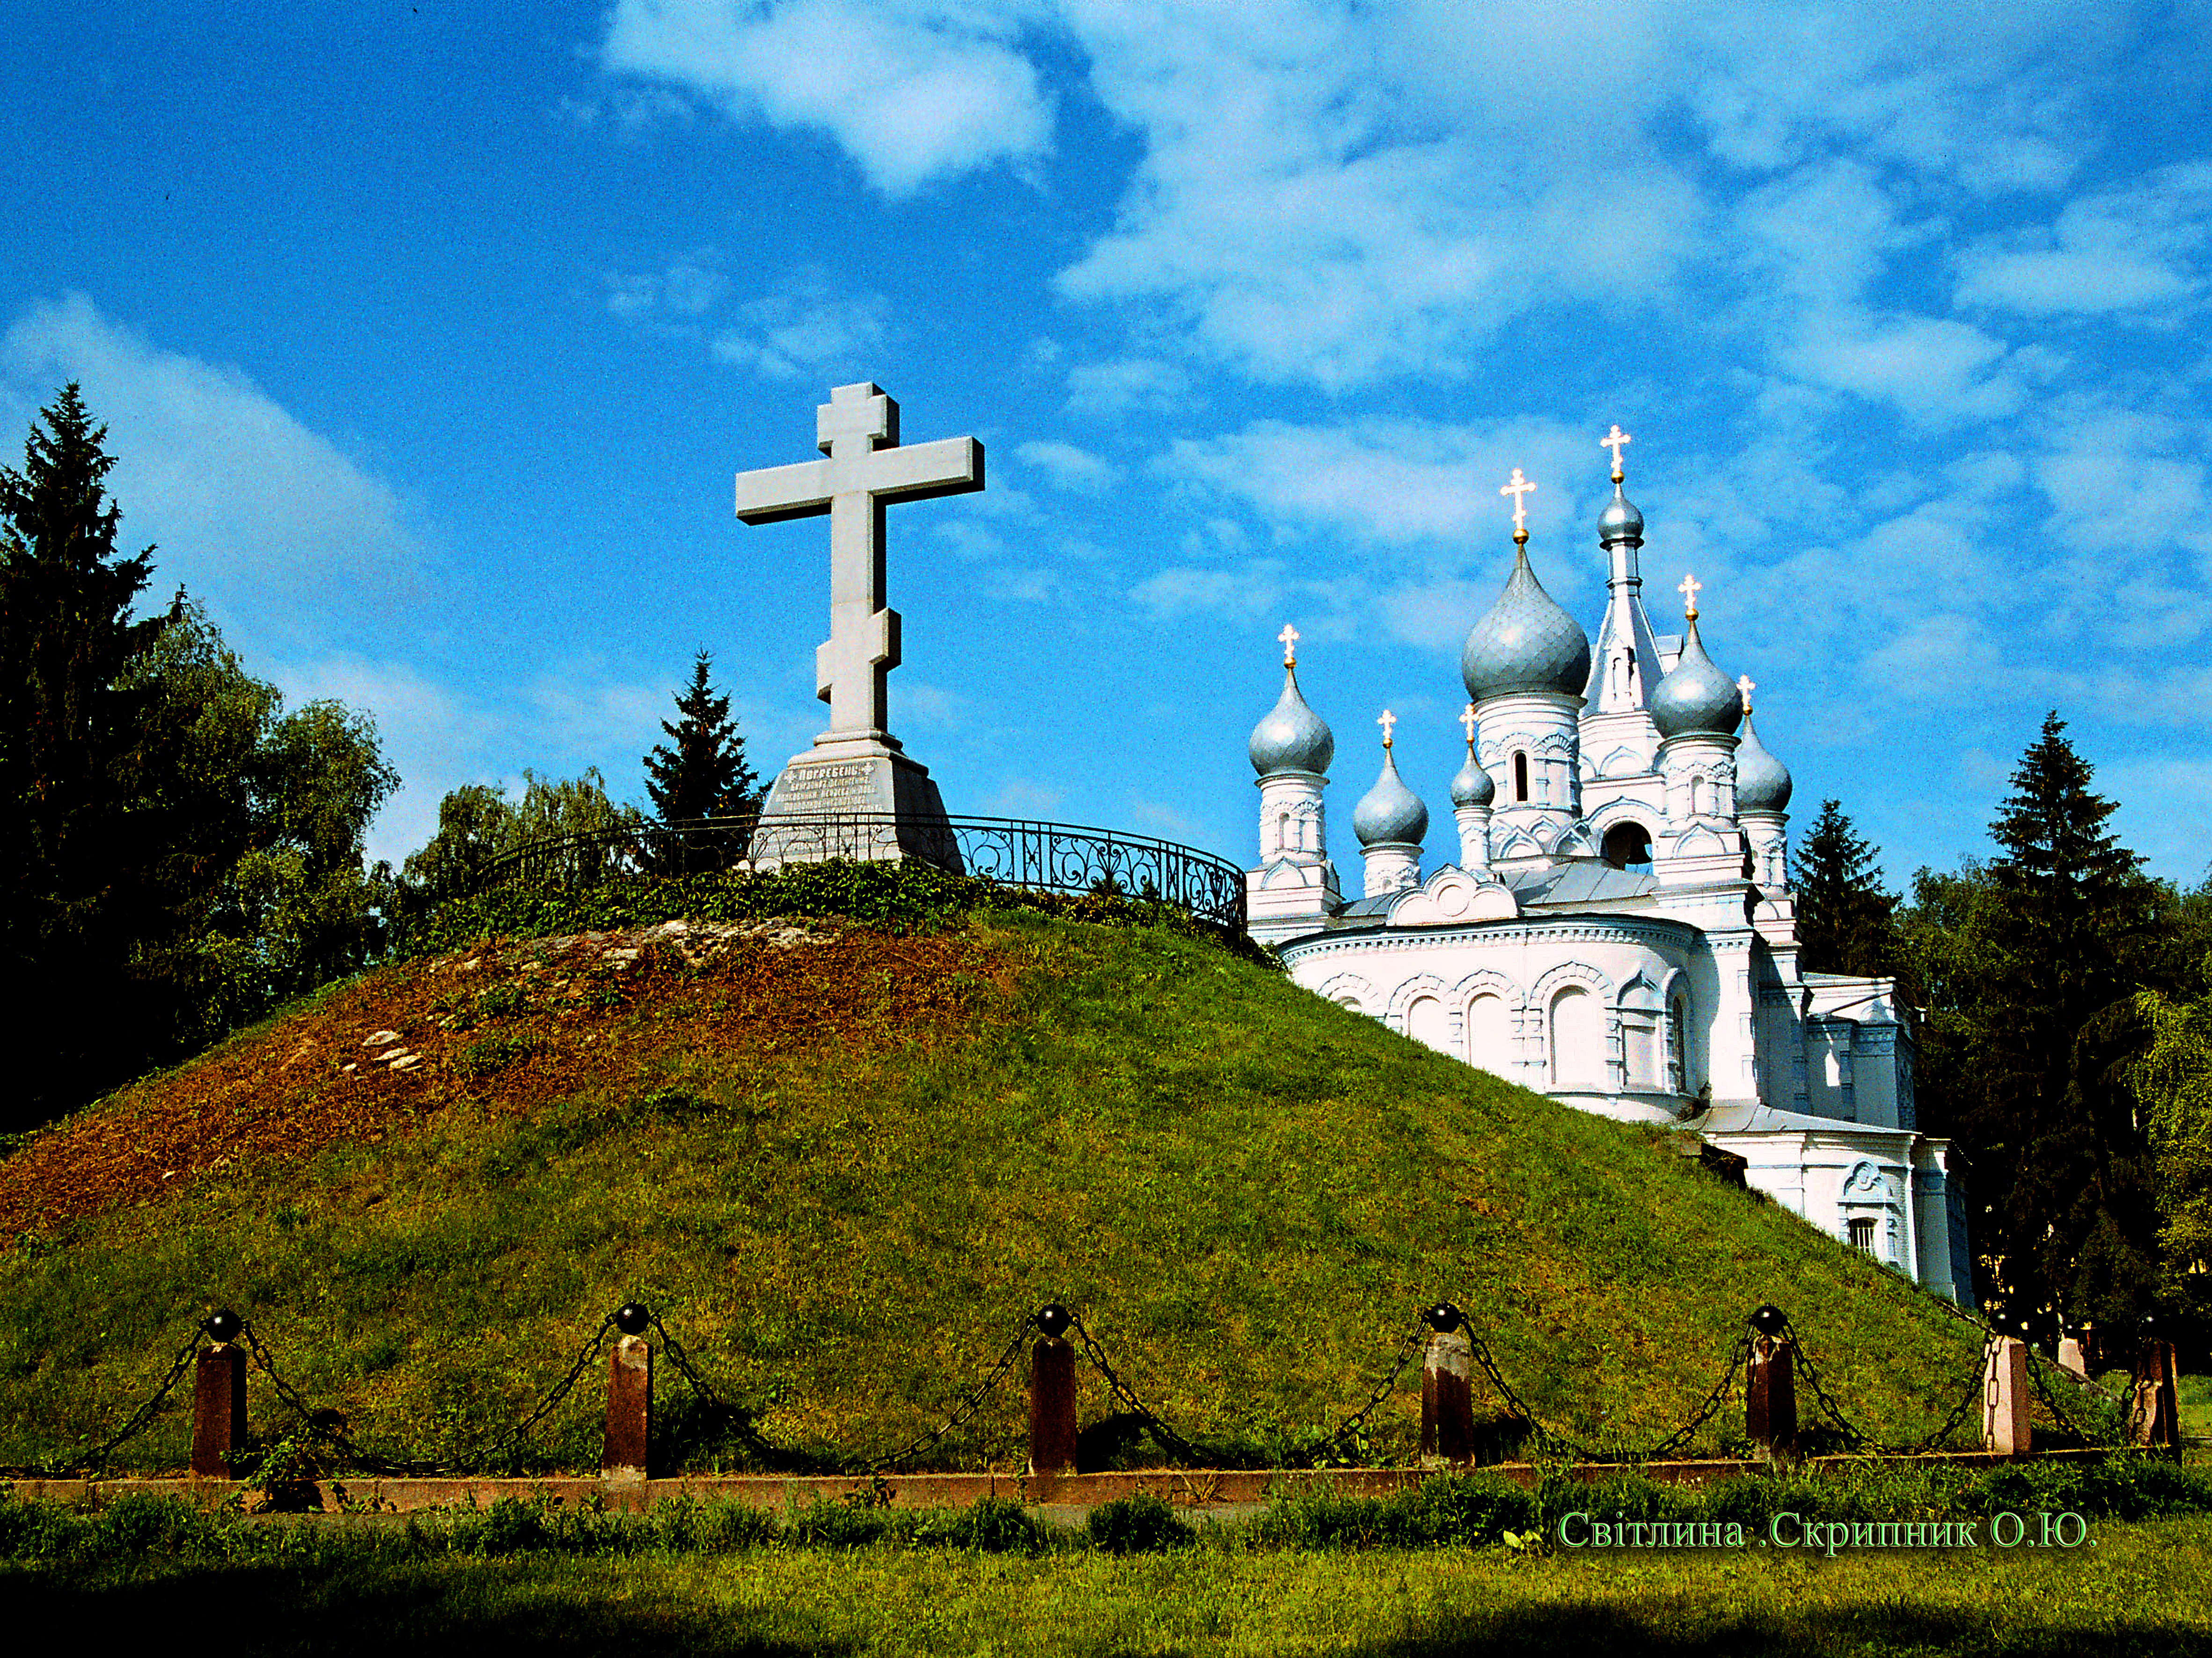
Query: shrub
[[1142, 1524]]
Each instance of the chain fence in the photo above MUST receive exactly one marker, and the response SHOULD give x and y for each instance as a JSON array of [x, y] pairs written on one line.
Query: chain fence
[[325, 1431]]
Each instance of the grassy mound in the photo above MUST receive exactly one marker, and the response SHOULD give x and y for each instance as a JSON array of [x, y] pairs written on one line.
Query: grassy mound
[[843, 1161]]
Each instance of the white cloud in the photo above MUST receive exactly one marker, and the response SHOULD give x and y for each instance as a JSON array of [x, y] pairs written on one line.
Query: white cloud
[[2164, 801], [1069, 466], [1128, 383], [806, 334], [1395, 482], [689, 287], [1935, 370], [1023, 797], [2138, 246], [913, 91], [1257, 589], [248, 507]]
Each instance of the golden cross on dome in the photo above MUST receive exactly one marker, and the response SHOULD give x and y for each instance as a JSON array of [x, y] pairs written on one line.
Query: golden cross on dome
[[1387, 720], [1467, 718], [1744, 685], [1612, 441], [1690, 589], [1289, 641], [1518, 487]]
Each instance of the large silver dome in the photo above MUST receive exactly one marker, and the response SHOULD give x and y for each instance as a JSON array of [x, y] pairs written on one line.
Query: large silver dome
[[1762, 782], [1525, 642], [1389, 813], [1696, 698], [1292, 737]]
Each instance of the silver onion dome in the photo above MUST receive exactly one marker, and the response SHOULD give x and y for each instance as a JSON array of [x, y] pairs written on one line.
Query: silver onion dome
[[1762, 782], [1472, 786], [1389, 813], [1696, 698], [1620, 521], [1292, 737], [1525, 642]]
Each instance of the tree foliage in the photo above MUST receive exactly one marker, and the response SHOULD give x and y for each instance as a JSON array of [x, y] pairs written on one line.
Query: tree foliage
[[478, 825], [2031, 964], [182, 851], [703, 776], [1847, 922], [2173, 1076], [704, 773]]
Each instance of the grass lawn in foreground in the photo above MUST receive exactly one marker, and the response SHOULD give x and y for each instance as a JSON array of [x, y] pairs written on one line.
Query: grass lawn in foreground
[[2140, 1588]]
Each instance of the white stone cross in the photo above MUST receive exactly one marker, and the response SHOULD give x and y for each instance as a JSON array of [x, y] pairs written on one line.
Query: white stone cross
[[1690, 589], [1467, 719], [1387, 722], [859, 430], [1289, 641], [1612, 441], [1745, 686], [1518, 487]]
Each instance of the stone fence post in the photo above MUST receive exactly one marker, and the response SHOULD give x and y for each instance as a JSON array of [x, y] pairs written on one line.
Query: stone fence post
[[1769, 1397], [2154, 1416], [624, 1451], [1052, 1407], [2005, 1426], [1446, 1398], [218, 1409]]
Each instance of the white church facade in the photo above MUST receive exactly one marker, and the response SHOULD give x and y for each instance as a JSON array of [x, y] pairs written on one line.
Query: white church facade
[[1618, 930]]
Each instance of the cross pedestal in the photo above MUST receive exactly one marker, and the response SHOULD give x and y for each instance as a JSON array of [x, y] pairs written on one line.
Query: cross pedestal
[[856, 770]]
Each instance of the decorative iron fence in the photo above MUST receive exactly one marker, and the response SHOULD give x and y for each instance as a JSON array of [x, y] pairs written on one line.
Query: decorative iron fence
[[1010, 851]]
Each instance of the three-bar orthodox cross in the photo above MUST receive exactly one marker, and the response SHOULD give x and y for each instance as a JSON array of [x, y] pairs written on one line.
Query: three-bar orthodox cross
[[1518, 487], [867, 469]]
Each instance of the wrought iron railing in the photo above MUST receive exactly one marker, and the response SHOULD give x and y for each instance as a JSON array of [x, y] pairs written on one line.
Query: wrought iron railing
[[1013, 852]]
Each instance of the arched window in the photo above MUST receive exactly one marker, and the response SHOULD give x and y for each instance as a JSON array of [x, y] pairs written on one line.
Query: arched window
[[1427, 1023], [1678, 1064], [1520, 775], [1628, 845], [1284, 833], [1490, 1035], [1577, 1038], [1697, 797]]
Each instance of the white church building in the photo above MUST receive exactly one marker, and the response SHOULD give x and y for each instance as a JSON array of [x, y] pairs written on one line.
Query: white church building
[[1618, 930]]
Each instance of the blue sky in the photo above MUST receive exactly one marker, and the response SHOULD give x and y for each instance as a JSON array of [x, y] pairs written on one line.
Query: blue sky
[[428, 341]]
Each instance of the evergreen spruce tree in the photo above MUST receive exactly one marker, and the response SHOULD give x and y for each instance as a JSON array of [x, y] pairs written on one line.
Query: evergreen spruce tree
[[2062, 1176], [1846, 923], [70, 736], [703, 775], [180, 853]]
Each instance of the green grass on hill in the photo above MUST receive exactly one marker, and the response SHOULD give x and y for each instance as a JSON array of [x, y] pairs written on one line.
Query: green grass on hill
[[1247, 1193]]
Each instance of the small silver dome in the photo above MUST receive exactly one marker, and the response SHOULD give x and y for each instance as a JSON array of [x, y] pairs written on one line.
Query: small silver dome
[[1389, 813], [1292, 737], [1524, 642], [1696, 698], [1472, 786], [1762, 782], [1620, 521]]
